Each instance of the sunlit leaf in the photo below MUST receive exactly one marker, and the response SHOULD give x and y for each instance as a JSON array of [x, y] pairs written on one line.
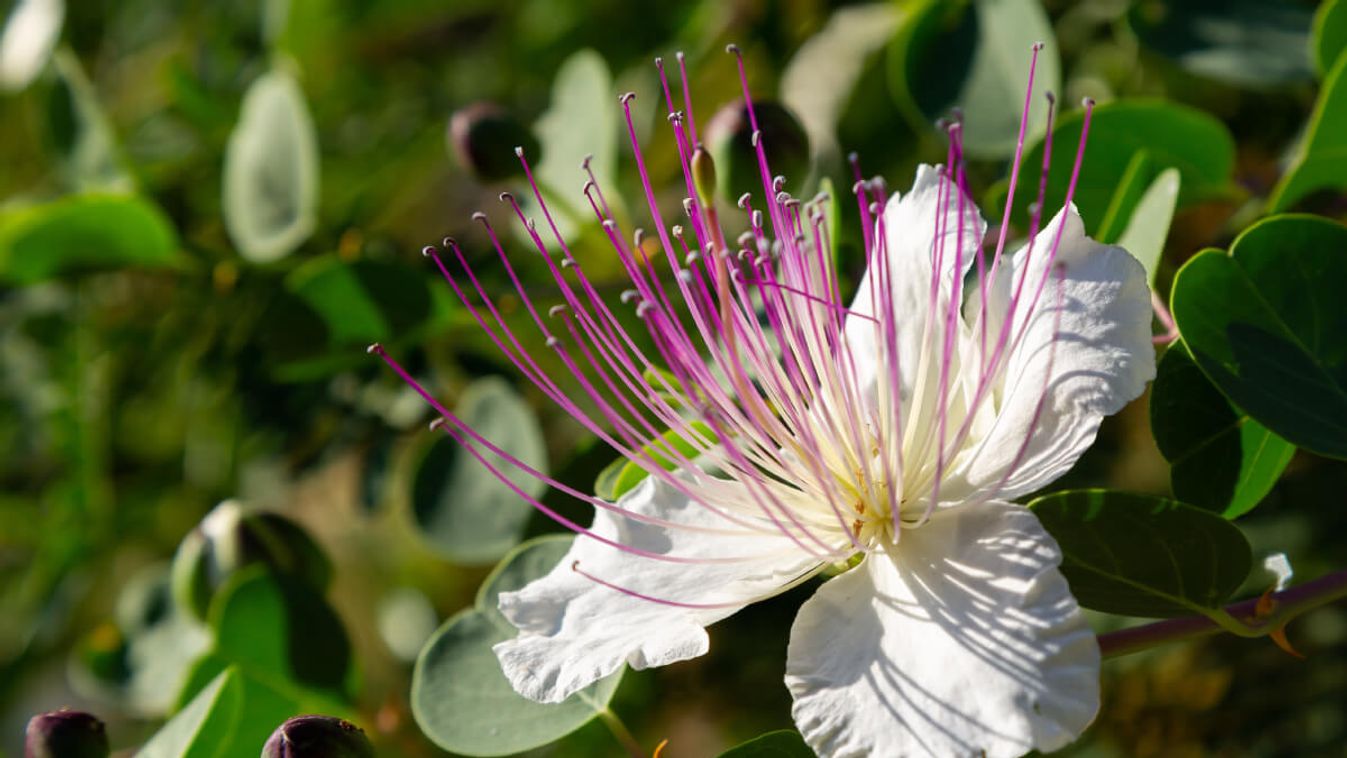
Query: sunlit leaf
[[1144, 556], [1219, 458], [205, 727], [1148, 226], [1255, 43], [622, 475], [271, 171], [1167, 135], [581, 122], [818, 82], [1266, 324], [460, 697], [463, 509], [786, 743], [31, 31], [1320, 162], [84, 233], [975, 55]]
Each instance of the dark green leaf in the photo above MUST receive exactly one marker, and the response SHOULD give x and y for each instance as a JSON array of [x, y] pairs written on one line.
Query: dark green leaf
[[460, 697], [364, 301], [1220, 458], [1330, 34], [1256, 43], [84, 233], [974, 55], [463, 509], [785, 743], [1144, 556], [1321, 160], [282, 626], [1171, 135], [1267, 325]]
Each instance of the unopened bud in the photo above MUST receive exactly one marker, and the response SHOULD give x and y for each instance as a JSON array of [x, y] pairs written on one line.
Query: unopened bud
[[318, 737], [230, 538], [704, 177], [730, 137], [66, 734], [488, 140]]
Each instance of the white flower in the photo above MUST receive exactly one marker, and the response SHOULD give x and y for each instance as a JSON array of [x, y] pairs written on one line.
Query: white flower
[[894, 430]]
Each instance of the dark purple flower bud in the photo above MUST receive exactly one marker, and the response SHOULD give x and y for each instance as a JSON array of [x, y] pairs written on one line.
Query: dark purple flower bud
[[483, 137], [230, 538], [318, 737], [729, 135], [66, 734]]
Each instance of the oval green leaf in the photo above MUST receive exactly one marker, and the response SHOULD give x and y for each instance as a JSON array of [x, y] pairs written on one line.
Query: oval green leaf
[[271, 171], [786, 743], [462, 700], [1266, 324], [205, 726], [1320, 162], [622, 475], [1219, 458], [463, 510], [580, 125], [1148, 227], [974, 55], [1250, 43], [1144, 556], [1164, 134], [279, 625], [84, 233]]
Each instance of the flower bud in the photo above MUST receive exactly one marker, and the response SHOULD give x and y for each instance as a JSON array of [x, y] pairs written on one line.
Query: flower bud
[[704, 177], [230, 538], [730, 137], [66, 734], [318, 737], [483, 137]]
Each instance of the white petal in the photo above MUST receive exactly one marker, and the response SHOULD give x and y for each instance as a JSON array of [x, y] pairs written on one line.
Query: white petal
[[29, 34], [910, 226], [1100, 361], [574, 631], [965, 642]]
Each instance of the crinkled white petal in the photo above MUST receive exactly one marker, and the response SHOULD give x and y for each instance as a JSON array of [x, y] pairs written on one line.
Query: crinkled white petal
[[965, 641], [911, 223], [574, 631], [1100, 360]]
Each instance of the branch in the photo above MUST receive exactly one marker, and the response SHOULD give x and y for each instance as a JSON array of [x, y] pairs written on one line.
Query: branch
[[1280, 607]]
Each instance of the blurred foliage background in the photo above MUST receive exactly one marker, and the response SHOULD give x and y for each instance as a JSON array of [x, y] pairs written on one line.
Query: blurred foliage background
[[210, 209]]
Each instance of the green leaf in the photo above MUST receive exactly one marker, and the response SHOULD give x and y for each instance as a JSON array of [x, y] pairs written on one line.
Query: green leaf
[[1266, 324], [974, 55], [80, 134], [462, 700], [1321, 160], [1148, 226], [271, 171], [581, 122], [1144, 556], [281, 626], [819, 81], [1252, 43], [1220, 458], [260, 707], [1329, 34], [84, 233], [622, 475], [205, 727], [1171, 135], [786, 743], [463, 510], [364, 301]]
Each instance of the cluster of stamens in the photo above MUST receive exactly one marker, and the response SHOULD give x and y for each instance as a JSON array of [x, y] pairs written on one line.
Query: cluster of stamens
[[749, 356]]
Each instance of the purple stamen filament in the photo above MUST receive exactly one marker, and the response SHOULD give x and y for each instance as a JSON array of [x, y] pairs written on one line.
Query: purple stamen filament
[[755, 342]]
